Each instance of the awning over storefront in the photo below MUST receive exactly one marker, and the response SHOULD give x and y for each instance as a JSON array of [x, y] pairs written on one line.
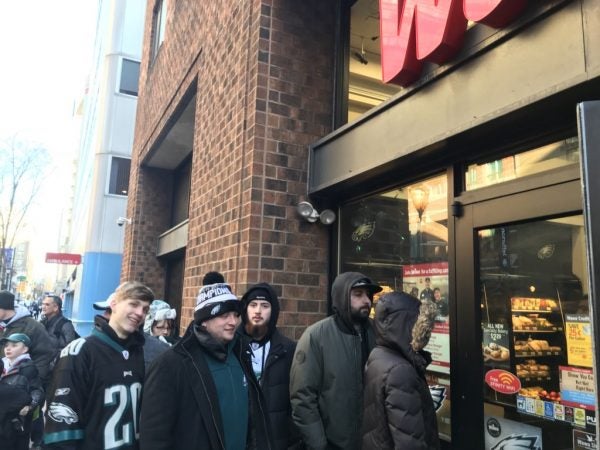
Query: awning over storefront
[[548, 53]]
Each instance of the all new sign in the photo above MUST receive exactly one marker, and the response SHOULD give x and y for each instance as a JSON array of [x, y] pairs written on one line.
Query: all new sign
[[414, 31]]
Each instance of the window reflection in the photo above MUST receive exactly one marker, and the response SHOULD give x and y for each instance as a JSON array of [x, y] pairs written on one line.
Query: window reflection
[[400, 239], [365, 90], [558, 154]]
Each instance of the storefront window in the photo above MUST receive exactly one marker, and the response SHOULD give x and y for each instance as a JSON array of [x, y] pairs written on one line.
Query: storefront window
[[537, 341], [365, 90], [552, 156], [400, 239]]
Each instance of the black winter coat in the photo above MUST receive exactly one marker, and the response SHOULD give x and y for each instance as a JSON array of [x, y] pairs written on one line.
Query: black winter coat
[[180, 407], [60, 329], [42, 349], [24, 376], [275, 385], [275, 378], [399, 411]]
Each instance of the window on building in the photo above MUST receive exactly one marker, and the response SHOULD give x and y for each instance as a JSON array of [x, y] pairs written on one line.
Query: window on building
[[181, 192], [399, 238], [119, 176], [159, 24], [130, 74]]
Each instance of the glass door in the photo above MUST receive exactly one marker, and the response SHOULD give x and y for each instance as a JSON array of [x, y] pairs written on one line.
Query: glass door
[[524, 370]]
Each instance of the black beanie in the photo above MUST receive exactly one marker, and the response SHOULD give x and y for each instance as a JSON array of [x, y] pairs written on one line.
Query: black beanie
[[258, 294], [7, 300]]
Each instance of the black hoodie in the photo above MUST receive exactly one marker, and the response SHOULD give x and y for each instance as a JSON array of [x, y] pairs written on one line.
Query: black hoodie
[[275, 376]]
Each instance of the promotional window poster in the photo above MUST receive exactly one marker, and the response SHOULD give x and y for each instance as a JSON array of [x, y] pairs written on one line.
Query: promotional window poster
[[430, 281]]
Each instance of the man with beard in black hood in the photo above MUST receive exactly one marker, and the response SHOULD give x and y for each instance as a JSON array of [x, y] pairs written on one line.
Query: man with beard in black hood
[[271, 356], [326, 380]]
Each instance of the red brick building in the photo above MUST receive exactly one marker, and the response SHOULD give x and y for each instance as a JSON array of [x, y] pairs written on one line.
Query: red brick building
[[228, 104], [473, 184]]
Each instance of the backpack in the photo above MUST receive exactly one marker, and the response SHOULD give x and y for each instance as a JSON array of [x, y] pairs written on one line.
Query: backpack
[[57, 334], [58, 329]]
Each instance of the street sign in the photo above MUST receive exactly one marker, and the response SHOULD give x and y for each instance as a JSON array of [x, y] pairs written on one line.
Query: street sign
[[63, 258]]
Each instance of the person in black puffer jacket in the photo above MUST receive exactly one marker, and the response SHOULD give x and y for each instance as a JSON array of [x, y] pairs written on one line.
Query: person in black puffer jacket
[[399, 410], [271, 357], [20, 375]]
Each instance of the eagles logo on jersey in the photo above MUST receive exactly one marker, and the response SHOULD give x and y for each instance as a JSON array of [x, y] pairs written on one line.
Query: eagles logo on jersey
[[96, 394], [438, 394], [518, 442], [60, 412]]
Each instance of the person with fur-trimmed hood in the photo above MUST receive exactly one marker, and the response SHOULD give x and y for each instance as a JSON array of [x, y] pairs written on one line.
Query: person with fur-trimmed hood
[[202, 392], [271, 356], [326, 379], [399, 410]]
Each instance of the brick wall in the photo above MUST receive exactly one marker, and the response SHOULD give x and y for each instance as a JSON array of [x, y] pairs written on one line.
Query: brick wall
[[262, 71]]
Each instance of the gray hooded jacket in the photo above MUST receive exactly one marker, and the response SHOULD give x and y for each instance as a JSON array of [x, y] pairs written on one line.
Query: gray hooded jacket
[[326, 379], [399, 411]]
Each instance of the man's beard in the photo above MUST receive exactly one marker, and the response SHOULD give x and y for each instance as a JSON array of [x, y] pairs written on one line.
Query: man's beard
[[257, 332], [360, 315]]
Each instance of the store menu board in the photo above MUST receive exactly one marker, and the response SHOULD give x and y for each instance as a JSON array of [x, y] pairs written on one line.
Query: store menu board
[[579, 340]]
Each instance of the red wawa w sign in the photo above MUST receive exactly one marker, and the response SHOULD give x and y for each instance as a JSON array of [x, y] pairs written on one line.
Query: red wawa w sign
[[414, 31]]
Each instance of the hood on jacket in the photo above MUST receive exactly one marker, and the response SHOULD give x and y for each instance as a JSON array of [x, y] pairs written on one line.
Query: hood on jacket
[[340, 294], [135, 339], [20, 312], [159, 310], [271, 297], [404, 323]]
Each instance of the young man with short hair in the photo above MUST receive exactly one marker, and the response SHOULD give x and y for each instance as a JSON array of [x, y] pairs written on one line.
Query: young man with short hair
[[201, 393], [94, 399]]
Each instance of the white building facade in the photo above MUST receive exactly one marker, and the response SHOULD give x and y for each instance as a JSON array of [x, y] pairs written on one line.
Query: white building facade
[[104, 156]]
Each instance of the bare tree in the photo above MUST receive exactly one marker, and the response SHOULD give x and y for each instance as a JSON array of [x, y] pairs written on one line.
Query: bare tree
[[22, 169]]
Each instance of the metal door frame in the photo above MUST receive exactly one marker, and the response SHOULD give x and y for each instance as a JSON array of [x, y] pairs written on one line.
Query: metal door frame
[[466, 363]]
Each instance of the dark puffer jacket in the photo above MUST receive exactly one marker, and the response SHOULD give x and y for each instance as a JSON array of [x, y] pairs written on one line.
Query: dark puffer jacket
[[399, 411], [275, 379]]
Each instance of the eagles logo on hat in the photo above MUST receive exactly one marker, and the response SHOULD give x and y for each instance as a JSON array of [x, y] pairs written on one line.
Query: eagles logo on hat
[[214, 300]]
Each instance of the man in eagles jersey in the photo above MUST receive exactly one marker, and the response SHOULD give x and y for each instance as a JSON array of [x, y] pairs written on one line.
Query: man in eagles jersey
[[94, 399]]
